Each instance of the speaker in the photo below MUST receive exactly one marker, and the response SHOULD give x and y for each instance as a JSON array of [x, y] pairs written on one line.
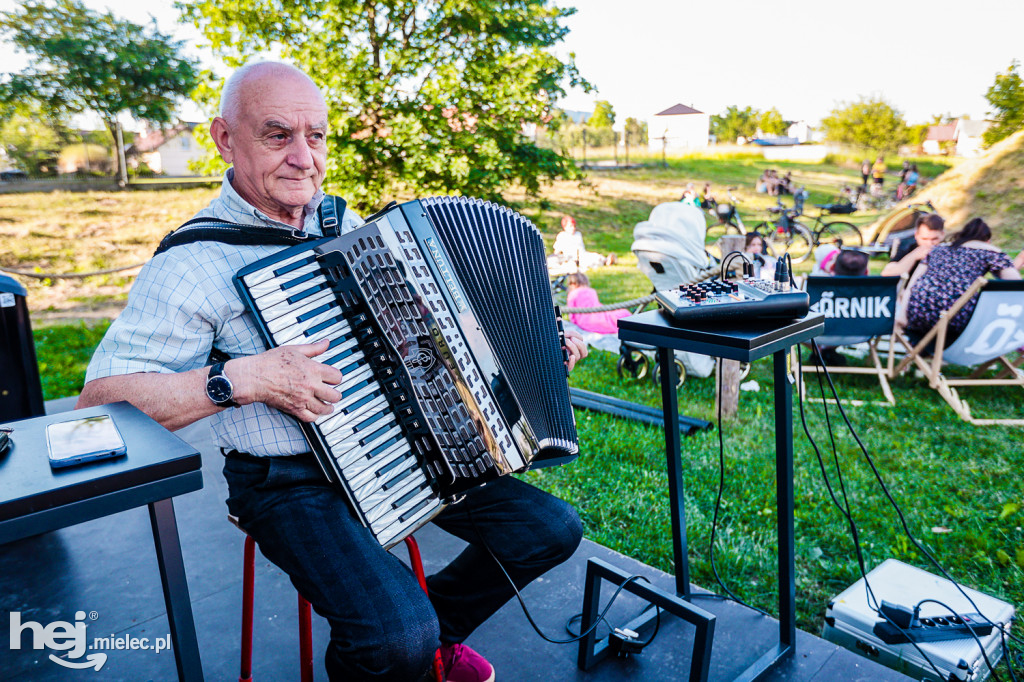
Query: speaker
[[21, 393]]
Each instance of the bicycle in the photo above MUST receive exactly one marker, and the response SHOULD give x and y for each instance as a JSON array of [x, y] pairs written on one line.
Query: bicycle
[[838, 232], [785, 234], [729, 221]]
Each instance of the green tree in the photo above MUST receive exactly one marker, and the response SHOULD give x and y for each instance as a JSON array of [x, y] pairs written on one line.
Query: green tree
[[1007, 99], [636, 132], [771, 122], [424, 95], [603, 116], [734, 123], [31, 140], [869, 123], [86, 61]]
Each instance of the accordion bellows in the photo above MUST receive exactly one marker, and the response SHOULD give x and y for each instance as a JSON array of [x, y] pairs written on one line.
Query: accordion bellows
[[440, 317]]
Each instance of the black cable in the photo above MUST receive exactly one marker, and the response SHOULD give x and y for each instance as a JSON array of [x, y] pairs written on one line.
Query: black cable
[[974, 635], [728, 258], [846, 511], [899, 512], [718, 502], [522, 603]]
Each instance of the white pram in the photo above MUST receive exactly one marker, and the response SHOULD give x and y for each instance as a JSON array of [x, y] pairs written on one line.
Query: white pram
[[669, 248]]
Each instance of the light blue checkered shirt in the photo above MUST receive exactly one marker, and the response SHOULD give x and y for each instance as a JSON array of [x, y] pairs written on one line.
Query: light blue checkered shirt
[[183, 302]]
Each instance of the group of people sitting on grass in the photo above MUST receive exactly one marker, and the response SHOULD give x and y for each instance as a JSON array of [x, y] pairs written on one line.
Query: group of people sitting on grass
[[772, 184]]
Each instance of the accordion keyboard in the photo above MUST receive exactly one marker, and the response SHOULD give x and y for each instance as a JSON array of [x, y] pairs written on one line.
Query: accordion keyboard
[[385, 482]]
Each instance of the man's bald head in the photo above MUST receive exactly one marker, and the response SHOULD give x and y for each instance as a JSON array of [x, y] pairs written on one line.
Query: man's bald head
[[273, 131], [250, 79]]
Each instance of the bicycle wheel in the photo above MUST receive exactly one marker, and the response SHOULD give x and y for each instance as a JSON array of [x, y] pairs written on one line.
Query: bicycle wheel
[[797, 242], [839, 231], [715, 232]]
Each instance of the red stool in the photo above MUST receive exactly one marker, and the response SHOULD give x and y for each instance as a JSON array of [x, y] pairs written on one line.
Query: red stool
[[305, 613]]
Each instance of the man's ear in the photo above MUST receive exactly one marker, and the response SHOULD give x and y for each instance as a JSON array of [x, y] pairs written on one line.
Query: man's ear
[[221, 135]]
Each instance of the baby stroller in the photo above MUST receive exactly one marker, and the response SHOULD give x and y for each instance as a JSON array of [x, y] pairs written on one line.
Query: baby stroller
[[669, 248]]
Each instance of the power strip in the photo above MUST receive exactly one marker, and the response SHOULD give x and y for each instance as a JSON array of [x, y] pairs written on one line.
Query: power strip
[[935, 629]]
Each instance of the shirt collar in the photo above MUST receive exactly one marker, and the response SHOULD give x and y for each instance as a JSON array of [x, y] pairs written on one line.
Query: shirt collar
[[237, 205]]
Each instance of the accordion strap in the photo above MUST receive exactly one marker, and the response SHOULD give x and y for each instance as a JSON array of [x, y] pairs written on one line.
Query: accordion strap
[[216, 230], [225, 231]]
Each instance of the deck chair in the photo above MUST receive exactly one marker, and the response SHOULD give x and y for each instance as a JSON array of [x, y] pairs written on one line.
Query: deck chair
[[996, 329], [857, 310]]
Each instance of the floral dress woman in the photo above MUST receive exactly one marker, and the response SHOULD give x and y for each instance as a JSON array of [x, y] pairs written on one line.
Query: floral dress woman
[[950, 272]]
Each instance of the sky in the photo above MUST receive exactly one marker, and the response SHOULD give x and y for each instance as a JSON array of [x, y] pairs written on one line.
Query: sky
[[803, 57]]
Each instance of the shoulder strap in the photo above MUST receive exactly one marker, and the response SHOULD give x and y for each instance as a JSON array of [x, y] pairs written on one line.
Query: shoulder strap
[[217, 230]]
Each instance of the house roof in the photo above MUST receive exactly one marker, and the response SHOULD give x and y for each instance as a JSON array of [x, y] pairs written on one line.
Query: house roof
[[678, 109], [152, 141], [945, 132]]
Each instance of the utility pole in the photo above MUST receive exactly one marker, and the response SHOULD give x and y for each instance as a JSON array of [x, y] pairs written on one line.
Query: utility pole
[[584, 147]]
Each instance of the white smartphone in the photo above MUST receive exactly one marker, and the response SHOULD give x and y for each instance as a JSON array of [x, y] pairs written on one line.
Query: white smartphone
[[83, 440]]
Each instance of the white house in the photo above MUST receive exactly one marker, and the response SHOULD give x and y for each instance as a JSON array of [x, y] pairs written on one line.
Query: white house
[[168, 151], [802, 131], [678, 128], [968, 137], [964, 134]]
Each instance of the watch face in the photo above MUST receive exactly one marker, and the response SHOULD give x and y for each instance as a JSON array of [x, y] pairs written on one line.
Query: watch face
[[219, 389]]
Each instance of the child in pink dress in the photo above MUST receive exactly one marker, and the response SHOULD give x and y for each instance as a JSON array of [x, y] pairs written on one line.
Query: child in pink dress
[[581, 295]]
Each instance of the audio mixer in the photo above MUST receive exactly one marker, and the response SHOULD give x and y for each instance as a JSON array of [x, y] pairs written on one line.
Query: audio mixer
[[751, 299]]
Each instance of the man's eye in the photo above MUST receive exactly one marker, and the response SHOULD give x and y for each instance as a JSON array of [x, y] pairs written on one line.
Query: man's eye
[[318, 137], [278, 137]]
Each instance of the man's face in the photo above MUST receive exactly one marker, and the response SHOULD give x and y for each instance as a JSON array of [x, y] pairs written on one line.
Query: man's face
[[277, 144], [925, 236]]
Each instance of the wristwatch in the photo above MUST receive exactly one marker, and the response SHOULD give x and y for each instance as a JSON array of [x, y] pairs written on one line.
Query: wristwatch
[[219, 389]]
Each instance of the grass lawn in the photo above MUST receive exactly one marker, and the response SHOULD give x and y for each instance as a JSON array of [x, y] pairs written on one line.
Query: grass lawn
[[959, 485]]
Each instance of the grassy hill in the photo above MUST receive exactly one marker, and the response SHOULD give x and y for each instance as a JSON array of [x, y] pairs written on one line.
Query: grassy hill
[[990, 187]]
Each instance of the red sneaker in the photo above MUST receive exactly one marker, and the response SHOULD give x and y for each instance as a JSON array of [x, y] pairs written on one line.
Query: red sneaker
[[462, 664]]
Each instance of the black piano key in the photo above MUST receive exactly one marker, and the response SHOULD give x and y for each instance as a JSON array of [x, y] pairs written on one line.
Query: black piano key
[[302, 262], [340, 356], [302, 279], [371, 436], [349, 391], [316, 329], [309, 315], [383, 446], [406, 497], [412, 512], [375, 417], [295, 298], [393, 483], [362, 401]]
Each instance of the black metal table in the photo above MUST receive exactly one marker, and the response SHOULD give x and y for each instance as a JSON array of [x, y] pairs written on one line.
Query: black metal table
[[745, 342], [35, 499]]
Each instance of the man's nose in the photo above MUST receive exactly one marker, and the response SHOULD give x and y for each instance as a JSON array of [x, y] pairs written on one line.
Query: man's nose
[[300, 155]]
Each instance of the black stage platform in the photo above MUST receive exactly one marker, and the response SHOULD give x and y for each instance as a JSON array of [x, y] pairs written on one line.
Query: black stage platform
[[108, 566]]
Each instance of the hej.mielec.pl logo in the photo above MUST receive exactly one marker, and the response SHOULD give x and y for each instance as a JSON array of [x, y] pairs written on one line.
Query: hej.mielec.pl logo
[[71, 639]]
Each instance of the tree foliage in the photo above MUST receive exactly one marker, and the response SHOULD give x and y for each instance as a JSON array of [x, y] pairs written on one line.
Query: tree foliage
[[603, 116], [86, 61], [636, 132], [1007, 99], [771, 122], [424, 95], [734, 123], [869, 123], [31, 139]]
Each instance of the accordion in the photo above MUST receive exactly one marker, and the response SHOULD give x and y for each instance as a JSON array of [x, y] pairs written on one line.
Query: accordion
[[440, 318]]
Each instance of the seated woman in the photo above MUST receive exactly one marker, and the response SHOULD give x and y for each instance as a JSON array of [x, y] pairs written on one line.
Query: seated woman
[[569, 248], [947, 273], [581, 295]]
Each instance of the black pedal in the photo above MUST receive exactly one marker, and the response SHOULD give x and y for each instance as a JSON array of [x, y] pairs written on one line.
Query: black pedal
[[935, 629]]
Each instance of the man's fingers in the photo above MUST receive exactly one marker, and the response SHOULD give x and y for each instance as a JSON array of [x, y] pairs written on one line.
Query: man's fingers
[[326, 394], [311, 350]]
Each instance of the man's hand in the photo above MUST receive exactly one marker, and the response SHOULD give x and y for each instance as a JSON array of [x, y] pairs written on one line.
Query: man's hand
[[288, 379], [1018, 262], [576, 347], [920, 253]]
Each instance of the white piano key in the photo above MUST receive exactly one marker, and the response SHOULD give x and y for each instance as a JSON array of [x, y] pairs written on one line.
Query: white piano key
[[380, 511], [287, 322], [385, 514], [345, 437], [283, 308], [293, 337], [354, 462], [331, 352], [371, 479], [338, 416], [260, 276], [386, 535], [278, 284]]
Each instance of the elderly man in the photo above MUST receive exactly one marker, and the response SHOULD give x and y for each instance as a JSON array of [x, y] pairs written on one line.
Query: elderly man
[[272, 130], [928, 232]]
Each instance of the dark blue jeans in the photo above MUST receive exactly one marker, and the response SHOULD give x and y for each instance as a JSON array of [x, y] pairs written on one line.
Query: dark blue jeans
[[383, 627]]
